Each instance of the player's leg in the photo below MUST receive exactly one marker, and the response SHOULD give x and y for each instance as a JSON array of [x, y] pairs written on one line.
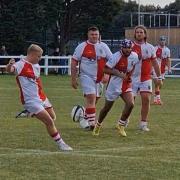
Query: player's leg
[[129, 104], [89, 90], [145, 108], [111, 95], [48, 106], [90, 109], [45, 117], [103, 113], [145, 93], [157, 98], [51, 113]]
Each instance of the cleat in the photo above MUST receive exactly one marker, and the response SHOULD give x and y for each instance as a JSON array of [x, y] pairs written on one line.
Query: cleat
[[24, 113], [96, 130], [159, 102], [121, 130], [64, 147], [144, 128]]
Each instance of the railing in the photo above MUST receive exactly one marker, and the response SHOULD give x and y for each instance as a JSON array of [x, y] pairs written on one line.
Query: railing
[[175, 67], [46, 62]]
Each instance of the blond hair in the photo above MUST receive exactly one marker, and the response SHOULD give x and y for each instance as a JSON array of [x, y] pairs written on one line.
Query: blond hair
[[34, 48], [143, 28]]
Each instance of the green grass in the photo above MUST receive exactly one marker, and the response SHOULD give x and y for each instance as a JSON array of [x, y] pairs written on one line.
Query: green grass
[[28, 153]]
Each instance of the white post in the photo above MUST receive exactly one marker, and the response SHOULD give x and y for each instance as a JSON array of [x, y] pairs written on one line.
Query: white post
[[69, 65], [139, 20], [46, 65], [169, 24]]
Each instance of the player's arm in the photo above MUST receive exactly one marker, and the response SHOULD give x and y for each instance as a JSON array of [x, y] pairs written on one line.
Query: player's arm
[[115, 72], [74, 71], [157, 71], [168, 64], [9, 67]]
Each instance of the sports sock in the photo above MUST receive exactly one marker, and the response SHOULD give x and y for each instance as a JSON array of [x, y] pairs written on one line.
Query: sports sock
[[90, 115]]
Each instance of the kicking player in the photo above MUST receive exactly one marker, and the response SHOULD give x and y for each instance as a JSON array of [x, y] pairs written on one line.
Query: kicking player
[[141, 79], [91, 57], [120, 68], [163, 57], [33, 98]]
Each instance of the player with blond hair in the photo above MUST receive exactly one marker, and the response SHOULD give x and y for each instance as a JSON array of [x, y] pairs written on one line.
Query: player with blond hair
[[33, 98]]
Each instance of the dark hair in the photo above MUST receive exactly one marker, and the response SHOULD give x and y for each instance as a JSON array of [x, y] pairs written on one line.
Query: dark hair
[[143, 28], [93, 28]]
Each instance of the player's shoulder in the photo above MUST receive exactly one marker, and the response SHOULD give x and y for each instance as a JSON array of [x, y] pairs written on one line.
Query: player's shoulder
[[104, 45], [166, 48], [116, 54], [149, 45], [134, 54], [82, 44]]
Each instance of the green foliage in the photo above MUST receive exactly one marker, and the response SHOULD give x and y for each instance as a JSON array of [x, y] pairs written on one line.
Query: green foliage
[[41, 21]]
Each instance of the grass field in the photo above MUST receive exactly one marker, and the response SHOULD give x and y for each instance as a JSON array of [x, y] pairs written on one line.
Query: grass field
[[28, 153]]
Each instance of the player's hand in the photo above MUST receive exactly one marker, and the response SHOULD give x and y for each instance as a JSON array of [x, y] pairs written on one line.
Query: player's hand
[[105, 78], [74, 83], [169, 71], [122, 75], [11, 61]]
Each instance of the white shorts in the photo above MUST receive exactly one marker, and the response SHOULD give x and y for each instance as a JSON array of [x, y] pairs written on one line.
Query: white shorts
[[36, 106], [138, 86], [114, 90], [89, 86]]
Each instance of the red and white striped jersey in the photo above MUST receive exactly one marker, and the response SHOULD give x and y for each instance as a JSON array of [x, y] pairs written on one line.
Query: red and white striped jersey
[[146, 53], [28, 80], [92, 59], [162, 54], [123, 64]]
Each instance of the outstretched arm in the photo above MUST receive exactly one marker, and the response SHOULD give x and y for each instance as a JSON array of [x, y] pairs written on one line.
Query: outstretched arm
[[9, 67]]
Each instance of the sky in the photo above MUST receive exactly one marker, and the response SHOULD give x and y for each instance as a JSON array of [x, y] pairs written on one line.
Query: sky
[[162, 3]]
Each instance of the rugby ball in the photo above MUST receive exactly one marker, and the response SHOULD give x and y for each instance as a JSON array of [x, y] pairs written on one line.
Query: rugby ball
[[77, 113]]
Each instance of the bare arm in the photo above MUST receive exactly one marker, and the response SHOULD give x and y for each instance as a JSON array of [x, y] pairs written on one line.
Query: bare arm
[[9, 66], [156, 68], [74, 64], [168, 64], [114, 72]]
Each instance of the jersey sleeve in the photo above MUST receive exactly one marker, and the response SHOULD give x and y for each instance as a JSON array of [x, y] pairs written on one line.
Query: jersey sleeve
[[135, 58], [78, 52], [108, 52], [111, 63], [168, 53], [153, 53], [18, 67]]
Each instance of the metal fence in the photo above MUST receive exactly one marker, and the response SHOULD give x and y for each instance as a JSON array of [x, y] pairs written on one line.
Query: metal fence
[[55, 62]]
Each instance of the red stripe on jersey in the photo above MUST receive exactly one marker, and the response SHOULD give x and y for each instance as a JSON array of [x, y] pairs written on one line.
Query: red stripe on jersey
[[40, 90], [21, 92], [137, 48], [122, 64], [125, 86], [163, 65], [89, 52], [146, 69], [101, 64], [27, 71], [159, 53]]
